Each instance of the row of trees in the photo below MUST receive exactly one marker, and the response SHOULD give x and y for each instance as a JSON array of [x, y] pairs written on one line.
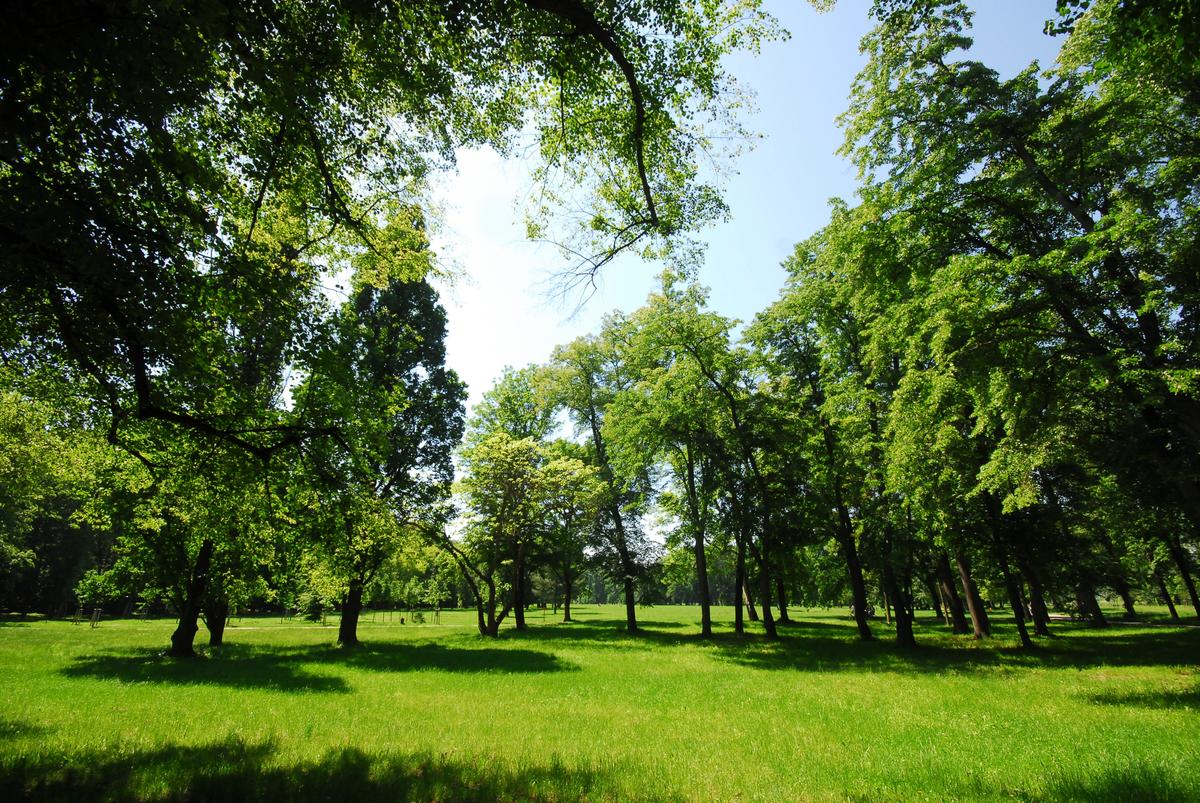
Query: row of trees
[[983, 375]]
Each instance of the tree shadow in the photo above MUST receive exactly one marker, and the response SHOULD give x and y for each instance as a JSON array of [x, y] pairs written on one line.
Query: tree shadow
[[407, 657], [247, 669], [1120, 784], [1156, 698], [16, 729], [233, 770], [289, 668]]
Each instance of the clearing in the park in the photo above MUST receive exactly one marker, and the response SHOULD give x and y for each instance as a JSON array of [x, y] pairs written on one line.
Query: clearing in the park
[[583, 711]]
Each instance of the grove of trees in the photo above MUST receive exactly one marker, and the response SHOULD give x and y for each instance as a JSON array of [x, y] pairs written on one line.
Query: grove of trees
[[222, 363]]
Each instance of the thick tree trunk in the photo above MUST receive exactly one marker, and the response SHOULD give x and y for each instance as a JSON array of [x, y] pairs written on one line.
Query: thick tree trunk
[[979, 618], [954, 603], [1181, 563], [858, 587], [1166, 595], [351, 608], [1037, 597], [904, 626], [630, 606], [781, 594], [1122, 589], [216, 615], [183, 639], [1085, 595]]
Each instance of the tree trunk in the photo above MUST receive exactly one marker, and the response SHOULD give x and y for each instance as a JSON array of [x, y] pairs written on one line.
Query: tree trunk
[[216, 615], [954, 603], [1037, 597], [858, 587], [979, 618], [702, 580], [764, 590], [739, 590], [183, 639], [935, 599], [1166, 595], [518, 589], [750, 609], [1085, 595], [781, 594], [1181, 563], [567, 589], [1014, 598], [351, 607], [1122, 589], [904, 627]]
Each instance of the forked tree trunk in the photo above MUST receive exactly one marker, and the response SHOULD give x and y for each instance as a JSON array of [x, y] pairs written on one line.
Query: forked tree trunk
[[351, 608], [954, 603], [751, 611], [183, 639], [935, 597], [979, 618]]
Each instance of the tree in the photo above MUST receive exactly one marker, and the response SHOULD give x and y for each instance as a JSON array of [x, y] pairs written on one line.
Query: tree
[[178, 179], [379, 378]]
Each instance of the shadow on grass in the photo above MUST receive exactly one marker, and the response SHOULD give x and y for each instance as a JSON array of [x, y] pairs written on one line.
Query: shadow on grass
[[234, 770], [821, 645], [1121, 784], [289, 668], [1157, 698], [15, 729]]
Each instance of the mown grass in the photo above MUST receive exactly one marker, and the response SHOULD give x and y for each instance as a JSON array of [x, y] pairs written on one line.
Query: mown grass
[[564, 712]]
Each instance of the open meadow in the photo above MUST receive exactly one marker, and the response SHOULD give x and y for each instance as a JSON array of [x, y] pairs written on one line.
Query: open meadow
[[573, 711]]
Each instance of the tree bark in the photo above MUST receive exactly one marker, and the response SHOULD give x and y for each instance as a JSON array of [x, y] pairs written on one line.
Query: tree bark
[[518, 589], [858, 587], [1014, 598], [1037, 597], [1181, 563], [739, 582], [1085, 595], [567, 589], [764, 590], [979, 618], [1166, 595], [954, 603], [183, 639], [935, 600], [351, 608], [904, 627], [781, 593], [216, 615]]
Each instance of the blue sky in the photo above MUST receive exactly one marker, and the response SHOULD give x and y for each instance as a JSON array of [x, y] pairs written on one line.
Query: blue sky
[[499, 312]]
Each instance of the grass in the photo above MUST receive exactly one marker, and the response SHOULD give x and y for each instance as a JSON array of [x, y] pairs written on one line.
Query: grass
[[565, 712]]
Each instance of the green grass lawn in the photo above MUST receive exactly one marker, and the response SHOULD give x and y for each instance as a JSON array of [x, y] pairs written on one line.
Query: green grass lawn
[[564, 712]]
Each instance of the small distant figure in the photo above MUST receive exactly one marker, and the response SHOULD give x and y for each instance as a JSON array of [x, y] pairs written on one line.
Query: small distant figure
[[869, 610]]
